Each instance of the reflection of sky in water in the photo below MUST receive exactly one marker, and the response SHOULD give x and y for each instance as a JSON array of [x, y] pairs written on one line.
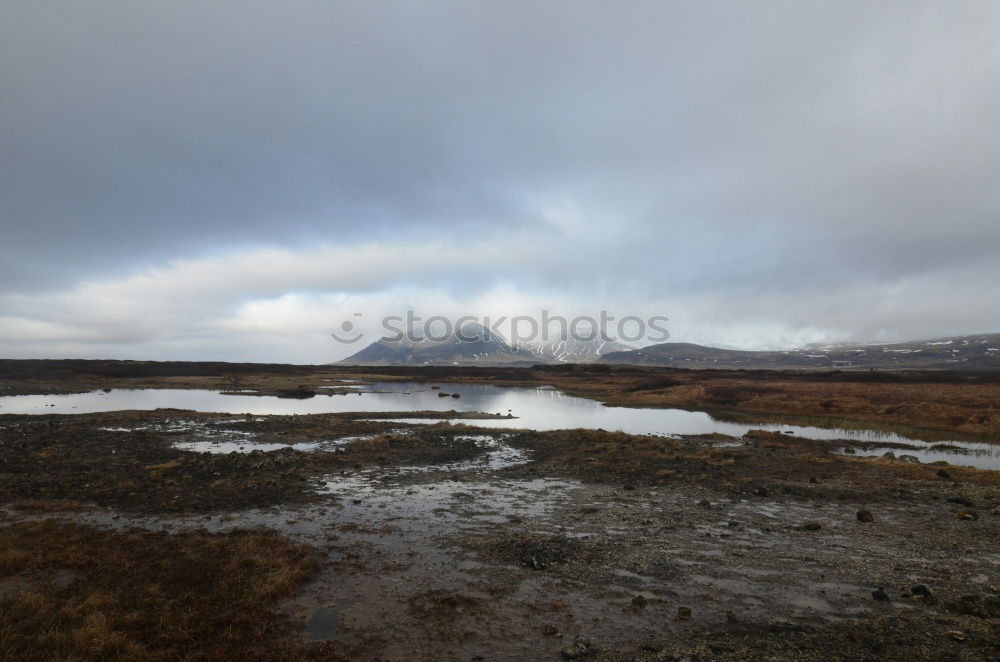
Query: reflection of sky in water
[[535, 408], [981, 455]]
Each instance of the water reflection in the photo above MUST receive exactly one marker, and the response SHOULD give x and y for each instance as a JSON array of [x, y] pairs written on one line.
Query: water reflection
[[537, 408]]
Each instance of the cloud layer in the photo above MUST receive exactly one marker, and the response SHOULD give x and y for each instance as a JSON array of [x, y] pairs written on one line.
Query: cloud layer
[[232, 179]]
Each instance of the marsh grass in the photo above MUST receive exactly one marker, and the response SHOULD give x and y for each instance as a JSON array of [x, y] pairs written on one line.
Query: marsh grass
[[71, 592]]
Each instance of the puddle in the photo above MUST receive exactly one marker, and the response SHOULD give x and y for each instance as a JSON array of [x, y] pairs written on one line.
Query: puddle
[[963, 453], [324, 625]]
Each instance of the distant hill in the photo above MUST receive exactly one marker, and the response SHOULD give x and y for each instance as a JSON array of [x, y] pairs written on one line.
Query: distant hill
[[960, 352], [488, 349], [979, 352]]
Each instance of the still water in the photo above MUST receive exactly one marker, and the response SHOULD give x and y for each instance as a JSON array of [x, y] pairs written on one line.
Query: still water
[[537, 408]]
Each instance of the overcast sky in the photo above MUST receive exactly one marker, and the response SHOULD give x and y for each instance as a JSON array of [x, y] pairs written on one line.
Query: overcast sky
[[232, 180]]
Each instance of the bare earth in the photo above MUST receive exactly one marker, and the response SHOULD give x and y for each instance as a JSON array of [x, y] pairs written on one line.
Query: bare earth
[[456, 543]]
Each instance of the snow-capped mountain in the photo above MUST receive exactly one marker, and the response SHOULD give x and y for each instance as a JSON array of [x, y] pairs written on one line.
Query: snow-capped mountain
[[476, 346], [480, 346], [572, 350]]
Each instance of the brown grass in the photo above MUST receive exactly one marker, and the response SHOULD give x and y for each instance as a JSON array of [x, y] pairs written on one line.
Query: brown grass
[[771, 458], [969, 406], [70, 592]]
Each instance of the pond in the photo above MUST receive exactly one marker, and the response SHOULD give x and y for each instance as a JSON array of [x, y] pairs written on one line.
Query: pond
[[536, 408]]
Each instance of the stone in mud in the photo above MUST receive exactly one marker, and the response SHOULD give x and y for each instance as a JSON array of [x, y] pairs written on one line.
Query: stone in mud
[[810, 526], [912, 459], [865, 516], [684, 613], [970, 605], [813, 479], [880, 595], [639, 602], [580, 648], [921, 590]]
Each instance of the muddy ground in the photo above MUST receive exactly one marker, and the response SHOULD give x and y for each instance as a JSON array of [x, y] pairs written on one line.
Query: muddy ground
[[177, 535]]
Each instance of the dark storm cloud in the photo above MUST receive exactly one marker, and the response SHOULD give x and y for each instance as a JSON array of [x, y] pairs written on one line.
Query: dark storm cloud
[[811, 151]]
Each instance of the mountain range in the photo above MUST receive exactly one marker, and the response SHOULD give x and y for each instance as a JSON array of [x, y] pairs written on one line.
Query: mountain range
[[958, 352], [491, 349], [486, 349]]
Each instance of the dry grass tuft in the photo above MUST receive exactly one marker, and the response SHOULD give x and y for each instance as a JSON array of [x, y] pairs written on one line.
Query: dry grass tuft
[[70, 592]]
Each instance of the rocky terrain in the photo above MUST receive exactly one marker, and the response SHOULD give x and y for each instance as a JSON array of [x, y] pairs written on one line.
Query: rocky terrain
[[345, 536]]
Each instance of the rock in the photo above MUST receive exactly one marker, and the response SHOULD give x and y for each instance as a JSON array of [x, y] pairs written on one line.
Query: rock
[[300, 392], [684, 613], [969, 604], [943, 474], [813, 479], [912, 459], [576, 650], [548, 630], [880, 595], [889, 455], [865, 516], [456, 395], [810, 526], [639, 602], [850, 450], [957, 635], [705, 503], [921, 590]]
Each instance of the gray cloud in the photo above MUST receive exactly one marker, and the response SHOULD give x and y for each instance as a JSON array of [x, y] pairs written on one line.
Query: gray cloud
[[728, 157]]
